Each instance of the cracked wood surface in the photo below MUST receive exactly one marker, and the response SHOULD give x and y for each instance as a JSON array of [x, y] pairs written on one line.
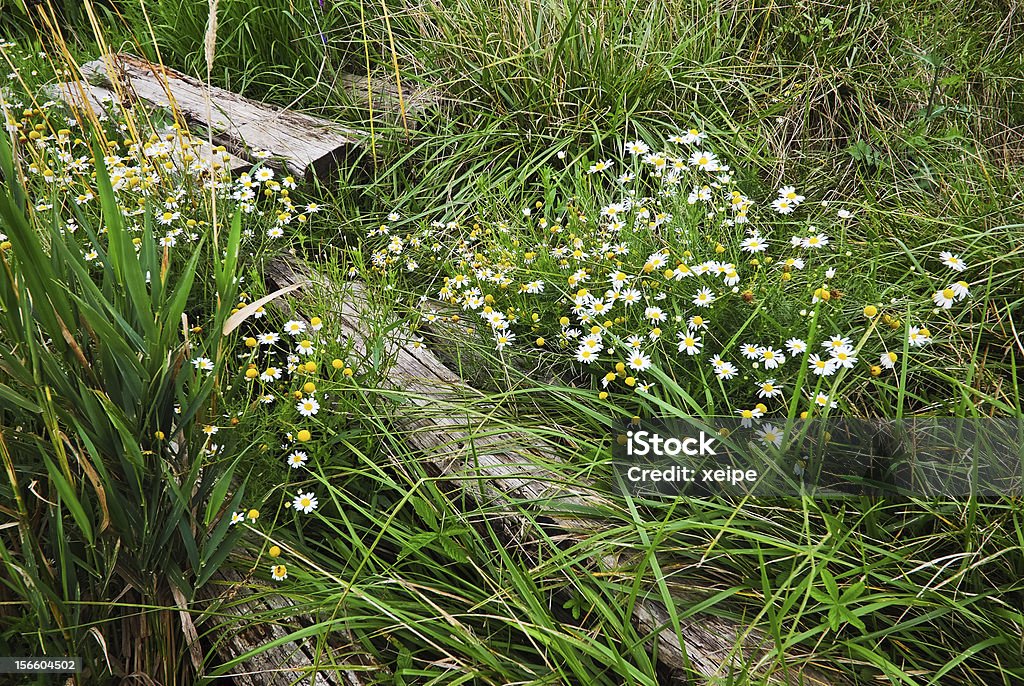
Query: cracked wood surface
[[303, 145], [185, 149]]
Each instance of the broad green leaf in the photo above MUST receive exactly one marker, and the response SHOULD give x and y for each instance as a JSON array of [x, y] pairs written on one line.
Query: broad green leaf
[[70, 499], [216, 499], [221, 541], [9, 395], [830, 584], [124, 263]]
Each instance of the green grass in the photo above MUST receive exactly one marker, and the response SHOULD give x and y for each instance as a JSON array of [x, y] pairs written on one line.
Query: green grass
[[906, 113]]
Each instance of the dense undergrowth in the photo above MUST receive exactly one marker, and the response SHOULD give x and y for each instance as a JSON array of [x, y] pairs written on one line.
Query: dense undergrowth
[[604, 199]]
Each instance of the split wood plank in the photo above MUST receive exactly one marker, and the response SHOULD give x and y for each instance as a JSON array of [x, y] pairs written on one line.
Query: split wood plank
[[241, 625], [303, 145], [190, 152], [508, 470]]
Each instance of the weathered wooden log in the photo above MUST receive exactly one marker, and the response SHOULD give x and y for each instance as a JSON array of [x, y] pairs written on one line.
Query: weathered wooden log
[[244, 621], [507, 471], [190, 152], [303, 145]]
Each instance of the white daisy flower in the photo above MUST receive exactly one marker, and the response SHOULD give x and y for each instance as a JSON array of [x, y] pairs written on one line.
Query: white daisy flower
[[305, 502], [952, 261]]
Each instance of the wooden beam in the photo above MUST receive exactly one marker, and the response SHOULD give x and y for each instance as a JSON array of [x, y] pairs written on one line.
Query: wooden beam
[[189, 151], [507, 471], [303, 145]]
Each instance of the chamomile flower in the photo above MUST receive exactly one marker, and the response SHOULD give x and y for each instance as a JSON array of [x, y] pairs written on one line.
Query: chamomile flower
[[793, 263], [689, 343], [754, 244], [918, 336], [944, 298], [634, 342], [294, 327], [629, 296], [307, 407], [796, 346], [503, 339], [268, 338], [961, 289], [844, 357], [237, 517], [279, 572], [888, 360], [693, 137], [655, 314], [769, 388], [697, 322], [751, 351], [770, 435], [297, 459], [703, 298], [783, 206], [818, 240], [823, 400], [836, 342], [270, 374], [747, 417], [304, 347], [203, 364], [725, 370], [705, 160], [305, 502], [533, 287], [639, 361], [168, 218], [618, 279], [821, 366], [637, 148], [656, 261], [952, 261], [789, 193], [771, 357]]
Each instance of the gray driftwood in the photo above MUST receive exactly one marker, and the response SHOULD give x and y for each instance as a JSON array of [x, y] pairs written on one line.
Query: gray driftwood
[[507, 471], [185, 148], [306, 146], [241, 624]]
